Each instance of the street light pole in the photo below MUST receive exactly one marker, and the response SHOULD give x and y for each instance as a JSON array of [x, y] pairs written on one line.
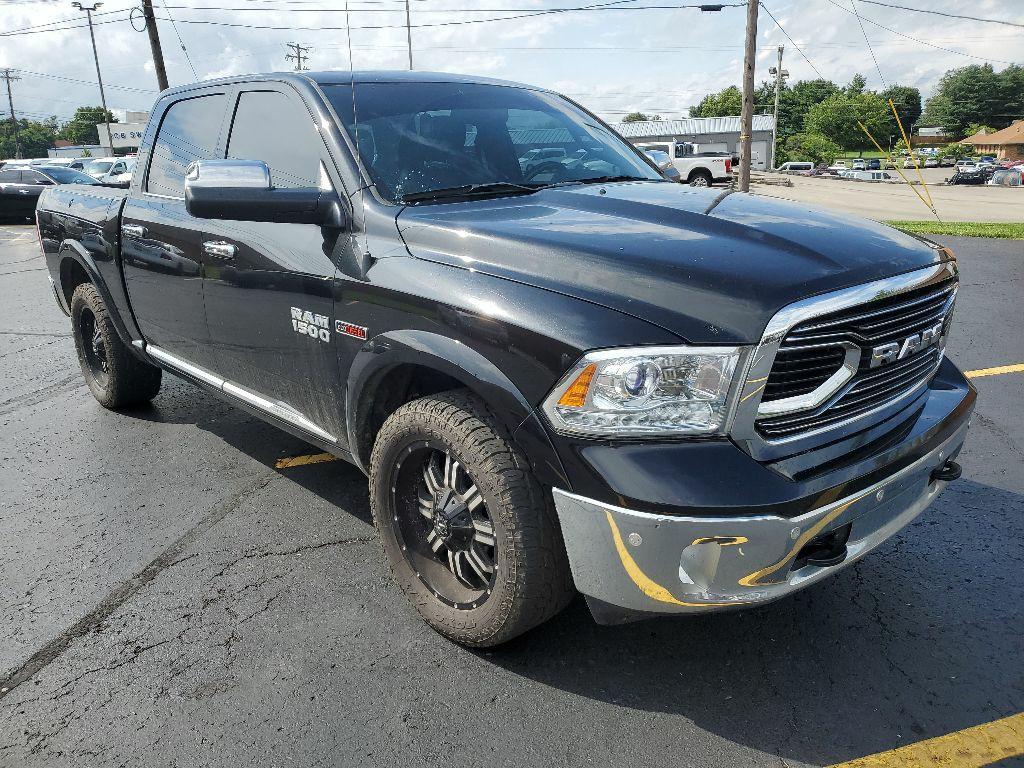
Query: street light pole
[[780, 75], [99, 78]]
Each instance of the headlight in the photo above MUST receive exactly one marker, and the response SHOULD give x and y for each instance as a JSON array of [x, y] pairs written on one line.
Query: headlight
[[646, 391]]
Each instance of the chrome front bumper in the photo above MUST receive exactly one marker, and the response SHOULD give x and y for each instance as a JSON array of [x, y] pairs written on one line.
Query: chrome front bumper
[[651, 563]]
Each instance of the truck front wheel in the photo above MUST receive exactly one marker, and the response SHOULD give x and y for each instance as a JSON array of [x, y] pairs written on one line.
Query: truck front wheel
[[115, 376], [700, 178], [471, 535]]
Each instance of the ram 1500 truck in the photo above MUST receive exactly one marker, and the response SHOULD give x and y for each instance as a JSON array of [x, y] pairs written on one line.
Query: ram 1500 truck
[[562, 376]]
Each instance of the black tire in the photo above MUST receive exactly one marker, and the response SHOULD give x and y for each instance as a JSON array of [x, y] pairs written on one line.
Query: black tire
[[700, 178], [116, 377], [530, 581]]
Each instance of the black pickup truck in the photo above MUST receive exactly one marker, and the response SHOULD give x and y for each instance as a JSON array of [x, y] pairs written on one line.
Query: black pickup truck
[[559, 376]]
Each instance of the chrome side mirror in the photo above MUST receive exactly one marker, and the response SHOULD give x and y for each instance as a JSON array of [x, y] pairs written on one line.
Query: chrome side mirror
[[241, 190], [236, 174]]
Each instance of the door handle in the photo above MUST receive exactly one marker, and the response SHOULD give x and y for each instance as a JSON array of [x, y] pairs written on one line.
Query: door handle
[[133, 230], [219, 249]]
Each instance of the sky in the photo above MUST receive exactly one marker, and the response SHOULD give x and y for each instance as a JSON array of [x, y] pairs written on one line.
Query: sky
[[614, 61]]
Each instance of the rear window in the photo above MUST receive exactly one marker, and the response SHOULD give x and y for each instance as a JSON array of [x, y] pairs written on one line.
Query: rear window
[[10, 177], [188, 132]]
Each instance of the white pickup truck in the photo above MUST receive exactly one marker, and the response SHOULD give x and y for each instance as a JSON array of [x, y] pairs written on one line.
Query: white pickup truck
[[699, 169]]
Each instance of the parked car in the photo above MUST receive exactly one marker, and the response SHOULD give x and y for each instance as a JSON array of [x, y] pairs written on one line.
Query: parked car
[[664, 164], [75, 163], [931, 162], [838, 165], [585, 383], [696, 168], [1006, 177], [908, 162], [966, 165], [947, 161], [795, 167], [874, 164], [859, 164], [106, 169], [870, 175], [21, 186]]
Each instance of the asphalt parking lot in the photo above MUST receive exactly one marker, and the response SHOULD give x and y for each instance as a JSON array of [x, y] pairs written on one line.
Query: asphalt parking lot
[[168, 597]]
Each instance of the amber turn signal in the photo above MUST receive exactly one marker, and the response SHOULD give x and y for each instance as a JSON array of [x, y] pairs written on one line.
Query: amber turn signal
[[576, 395]]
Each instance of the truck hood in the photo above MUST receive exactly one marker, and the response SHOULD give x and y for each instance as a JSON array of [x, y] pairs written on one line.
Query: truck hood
[[705, 264]]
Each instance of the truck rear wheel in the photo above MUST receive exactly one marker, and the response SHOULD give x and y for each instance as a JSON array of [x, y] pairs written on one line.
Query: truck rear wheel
[[115, 376], [471, 535], [700, 178]]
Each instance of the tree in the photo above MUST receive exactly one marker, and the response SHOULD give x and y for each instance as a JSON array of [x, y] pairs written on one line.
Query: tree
[[857, 85], [976, 94], [908, 103], [813, 147], [635, 117], [837, 118], [974, 128], [726, 102], [34, 137], [957, 150], [81, 129]]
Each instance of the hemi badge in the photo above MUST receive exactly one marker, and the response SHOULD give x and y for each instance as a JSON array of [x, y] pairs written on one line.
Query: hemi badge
[[350, 329]]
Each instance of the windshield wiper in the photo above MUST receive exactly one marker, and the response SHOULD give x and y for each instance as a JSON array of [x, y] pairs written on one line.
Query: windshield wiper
[[472, 190], [602, 180]]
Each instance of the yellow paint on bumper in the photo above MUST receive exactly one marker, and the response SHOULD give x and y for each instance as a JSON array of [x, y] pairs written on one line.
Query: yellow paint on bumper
[[299, 461], [970, 748]]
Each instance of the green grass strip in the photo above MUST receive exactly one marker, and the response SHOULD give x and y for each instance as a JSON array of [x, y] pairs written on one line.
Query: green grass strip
[[1010, 230]]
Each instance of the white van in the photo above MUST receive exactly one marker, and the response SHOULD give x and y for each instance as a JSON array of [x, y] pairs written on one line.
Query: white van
[[796, 166]]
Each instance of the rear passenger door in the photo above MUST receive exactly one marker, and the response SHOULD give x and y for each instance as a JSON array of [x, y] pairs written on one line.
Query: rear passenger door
[[269, 286], [160, 241]]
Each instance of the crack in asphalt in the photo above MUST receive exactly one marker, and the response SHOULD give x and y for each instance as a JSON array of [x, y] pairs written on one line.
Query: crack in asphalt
[[123, 592]]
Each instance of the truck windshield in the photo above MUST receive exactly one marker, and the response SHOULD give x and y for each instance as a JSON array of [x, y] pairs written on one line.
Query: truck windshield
[[459, 138]]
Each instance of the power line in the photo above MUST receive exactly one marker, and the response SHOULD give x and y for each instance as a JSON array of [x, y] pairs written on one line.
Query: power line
[[853, 4], [82, 82], [459, 22], [180, 42], [943, 13], [916, 40], [791, 40]]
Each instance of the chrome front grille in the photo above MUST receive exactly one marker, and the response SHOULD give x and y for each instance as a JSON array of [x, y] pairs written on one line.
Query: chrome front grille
[[812, 353]]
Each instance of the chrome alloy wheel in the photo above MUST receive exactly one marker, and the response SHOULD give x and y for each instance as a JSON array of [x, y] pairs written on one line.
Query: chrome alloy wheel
[[443, 525]]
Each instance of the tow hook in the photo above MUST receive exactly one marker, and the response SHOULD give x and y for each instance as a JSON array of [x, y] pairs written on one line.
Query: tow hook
[[948, 472]]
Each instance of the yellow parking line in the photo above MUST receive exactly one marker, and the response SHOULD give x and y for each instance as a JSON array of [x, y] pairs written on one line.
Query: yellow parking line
[[970, 748], [1018, 368], [298, 461]]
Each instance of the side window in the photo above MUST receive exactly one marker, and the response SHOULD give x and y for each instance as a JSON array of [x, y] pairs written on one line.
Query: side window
[[188, 132], [276, 129], [10, 177], [32, 177]]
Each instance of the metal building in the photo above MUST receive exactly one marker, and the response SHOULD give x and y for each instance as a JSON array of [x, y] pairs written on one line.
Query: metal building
[[713, 134]]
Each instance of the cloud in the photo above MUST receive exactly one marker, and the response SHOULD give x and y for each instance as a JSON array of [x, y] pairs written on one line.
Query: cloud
[[660, 61]]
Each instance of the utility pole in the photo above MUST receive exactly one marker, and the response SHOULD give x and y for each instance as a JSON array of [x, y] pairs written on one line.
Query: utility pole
[[298, 55], [747, 113], [154, 44], [780, 75], [408, 32], [99, 78], [10, 101]]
